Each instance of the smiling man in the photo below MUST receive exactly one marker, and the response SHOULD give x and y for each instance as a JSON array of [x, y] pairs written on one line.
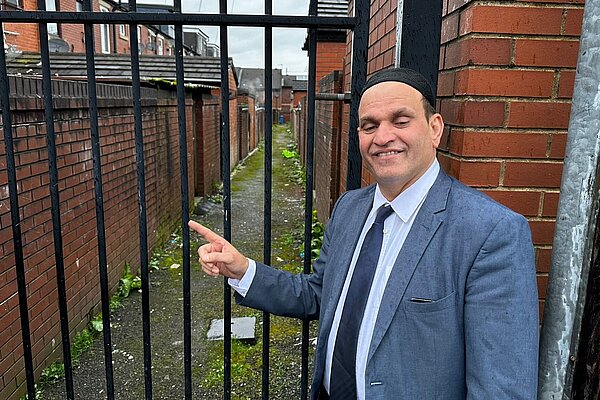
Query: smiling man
[[424, 288]]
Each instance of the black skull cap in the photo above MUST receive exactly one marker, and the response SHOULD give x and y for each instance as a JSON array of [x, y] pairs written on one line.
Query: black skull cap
[[403, 75]]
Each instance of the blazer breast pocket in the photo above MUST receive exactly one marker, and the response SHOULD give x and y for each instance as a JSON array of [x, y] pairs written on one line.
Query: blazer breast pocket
[[422, 305]]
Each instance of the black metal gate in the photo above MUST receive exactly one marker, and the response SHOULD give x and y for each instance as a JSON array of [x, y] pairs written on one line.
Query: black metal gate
[[358, 24]]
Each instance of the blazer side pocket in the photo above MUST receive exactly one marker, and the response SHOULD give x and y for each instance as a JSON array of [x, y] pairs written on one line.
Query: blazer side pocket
[[427, 307]]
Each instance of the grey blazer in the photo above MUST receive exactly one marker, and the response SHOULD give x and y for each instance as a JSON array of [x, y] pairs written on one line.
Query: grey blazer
[[478, 339]]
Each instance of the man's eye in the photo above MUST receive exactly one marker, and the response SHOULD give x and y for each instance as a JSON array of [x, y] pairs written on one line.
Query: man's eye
[[401, 121], [368, 128]]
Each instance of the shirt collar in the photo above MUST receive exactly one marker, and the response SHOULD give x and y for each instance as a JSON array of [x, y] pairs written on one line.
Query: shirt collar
[[407, 202]]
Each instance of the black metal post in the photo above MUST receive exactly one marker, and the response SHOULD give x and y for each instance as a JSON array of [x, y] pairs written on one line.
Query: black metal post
[[141, 186], [268, 188], [185, 206], [310, 144], [16, 221], [359, 76], [418, 46], [99, 197], [55, 201], [225, 157]]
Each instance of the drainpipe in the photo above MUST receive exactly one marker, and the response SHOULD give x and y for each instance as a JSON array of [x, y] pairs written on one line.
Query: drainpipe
[[575, 224]]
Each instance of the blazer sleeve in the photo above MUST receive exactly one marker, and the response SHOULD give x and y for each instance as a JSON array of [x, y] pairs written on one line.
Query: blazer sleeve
[[286, 294], [501, 315]]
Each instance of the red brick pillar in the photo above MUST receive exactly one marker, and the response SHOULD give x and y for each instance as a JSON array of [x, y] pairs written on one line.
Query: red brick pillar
[[505, 86]]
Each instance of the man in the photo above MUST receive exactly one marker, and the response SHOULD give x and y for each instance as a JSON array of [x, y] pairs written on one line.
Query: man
[[424, 288]]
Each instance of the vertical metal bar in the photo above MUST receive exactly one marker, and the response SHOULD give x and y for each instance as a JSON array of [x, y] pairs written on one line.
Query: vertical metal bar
[[97, 167], [225, 156], [418, 40], [268, 187], [310, 144], [16, 221], [187, 313], [573, 245], [359, 75], [141, 185], [55, 200]]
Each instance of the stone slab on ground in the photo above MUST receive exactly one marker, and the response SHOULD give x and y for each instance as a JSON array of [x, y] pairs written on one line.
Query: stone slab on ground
[[242, 328]]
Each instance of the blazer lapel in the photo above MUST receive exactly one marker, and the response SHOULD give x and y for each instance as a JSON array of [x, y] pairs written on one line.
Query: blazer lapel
[[426, 223]]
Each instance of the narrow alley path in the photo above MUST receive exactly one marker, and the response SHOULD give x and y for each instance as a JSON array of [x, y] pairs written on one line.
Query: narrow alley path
[[207, 304]]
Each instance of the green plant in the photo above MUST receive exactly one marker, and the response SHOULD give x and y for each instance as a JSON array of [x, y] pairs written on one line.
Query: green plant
[[318, 229], [128, 282], [53, 373], [295, 170], [289, 153]]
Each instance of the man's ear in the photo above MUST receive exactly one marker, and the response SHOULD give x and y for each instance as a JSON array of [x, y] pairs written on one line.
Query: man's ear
[[436, 128]]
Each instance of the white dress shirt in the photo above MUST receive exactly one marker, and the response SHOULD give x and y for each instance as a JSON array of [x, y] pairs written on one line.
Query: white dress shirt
[[396, 228]]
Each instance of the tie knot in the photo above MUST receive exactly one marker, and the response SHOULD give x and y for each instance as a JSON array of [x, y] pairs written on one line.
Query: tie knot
[[383, 213]]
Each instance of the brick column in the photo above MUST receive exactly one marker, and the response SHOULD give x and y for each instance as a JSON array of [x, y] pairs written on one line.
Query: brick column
[[505, 85]]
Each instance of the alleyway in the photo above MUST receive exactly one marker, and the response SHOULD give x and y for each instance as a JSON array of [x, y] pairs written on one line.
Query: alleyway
[[207, 299]]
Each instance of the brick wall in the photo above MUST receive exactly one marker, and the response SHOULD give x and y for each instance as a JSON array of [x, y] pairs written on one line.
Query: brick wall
[[505, 85], [327, 146], [243, 119], [161, 144], [24, 37], [247, 128], [253, 137], [301, 127], [330, 57], [234, 141], [286, 102], [207, 111]]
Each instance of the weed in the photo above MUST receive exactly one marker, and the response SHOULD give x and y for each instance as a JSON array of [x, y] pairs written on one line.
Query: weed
[[295, 171], [318, 229]]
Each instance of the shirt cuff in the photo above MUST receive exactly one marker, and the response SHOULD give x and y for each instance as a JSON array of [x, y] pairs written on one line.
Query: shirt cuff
[[242, 285]]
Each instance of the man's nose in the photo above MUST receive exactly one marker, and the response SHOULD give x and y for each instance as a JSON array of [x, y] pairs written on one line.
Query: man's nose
[[384, 134]]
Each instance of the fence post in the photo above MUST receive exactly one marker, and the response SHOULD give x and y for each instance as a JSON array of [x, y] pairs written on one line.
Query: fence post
[[575, 226]]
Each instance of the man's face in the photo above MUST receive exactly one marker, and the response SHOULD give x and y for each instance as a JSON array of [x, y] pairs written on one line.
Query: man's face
[[397, 141]]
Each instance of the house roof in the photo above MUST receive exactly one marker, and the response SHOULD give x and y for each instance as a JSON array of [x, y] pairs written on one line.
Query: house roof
[[288, 80], [253, 79], [117, 67], [299, 85]]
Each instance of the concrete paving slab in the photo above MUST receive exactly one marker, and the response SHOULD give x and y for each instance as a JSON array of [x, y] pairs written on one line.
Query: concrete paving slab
[[241, 328]]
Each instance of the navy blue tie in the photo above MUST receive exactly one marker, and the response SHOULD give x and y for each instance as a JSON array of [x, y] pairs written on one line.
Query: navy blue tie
[[343, 366]]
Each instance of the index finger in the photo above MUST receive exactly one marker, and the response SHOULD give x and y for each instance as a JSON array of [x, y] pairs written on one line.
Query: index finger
[[204, 231]]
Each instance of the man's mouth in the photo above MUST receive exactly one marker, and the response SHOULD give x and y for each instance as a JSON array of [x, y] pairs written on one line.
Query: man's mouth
[[388, 153]]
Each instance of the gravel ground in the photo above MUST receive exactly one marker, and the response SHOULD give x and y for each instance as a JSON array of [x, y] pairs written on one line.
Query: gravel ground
[[207, 304]]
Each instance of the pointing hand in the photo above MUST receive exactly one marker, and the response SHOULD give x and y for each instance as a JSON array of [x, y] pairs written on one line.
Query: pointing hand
[[218, 256]]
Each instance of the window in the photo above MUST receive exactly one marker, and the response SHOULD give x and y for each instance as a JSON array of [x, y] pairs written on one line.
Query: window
[[151, 46], [79, 5], [159, 46], [10, 5], [105, 34], [123, 30], [141, 46], [52, 27]]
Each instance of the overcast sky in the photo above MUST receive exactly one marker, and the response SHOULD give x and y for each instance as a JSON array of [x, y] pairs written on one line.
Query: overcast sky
[[246, 45]]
